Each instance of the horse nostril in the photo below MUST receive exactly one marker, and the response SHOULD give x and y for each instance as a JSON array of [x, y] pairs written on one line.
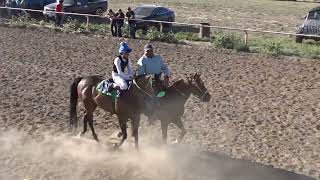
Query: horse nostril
[[206, 97]]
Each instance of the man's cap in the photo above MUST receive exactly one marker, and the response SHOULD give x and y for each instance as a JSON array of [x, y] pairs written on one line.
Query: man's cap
[[148, 47], [124, 48]]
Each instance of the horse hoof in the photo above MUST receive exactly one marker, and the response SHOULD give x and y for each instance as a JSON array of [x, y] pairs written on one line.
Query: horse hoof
[[116, 147], [79, 135], [96, 138], [120, 134]]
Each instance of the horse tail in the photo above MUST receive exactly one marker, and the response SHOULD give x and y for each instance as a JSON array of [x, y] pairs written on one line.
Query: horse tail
[[73, 121]]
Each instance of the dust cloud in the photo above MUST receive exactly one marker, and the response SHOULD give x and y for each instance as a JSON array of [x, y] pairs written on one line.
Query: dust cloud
[[52, 157], [66, 157]]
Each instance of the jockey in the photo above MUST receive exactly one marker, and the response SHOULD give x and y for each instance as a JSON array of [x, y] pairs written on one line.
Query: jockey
[[122, 68], [151, 63]]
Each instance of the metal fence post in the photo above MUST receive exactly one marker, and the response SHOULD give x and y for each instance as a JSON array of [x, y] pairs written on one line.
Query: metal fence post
[[87, 23], [245, 37], [161, 27]]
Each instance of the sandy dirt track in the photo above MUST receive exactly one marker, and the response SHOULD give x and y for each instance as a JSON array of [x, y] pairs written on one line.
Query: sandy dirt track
[[265, 109]]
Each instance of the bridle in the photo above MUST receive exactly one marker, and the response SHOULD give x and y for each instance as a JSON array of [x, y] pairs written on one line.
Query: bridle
[[200, 90]]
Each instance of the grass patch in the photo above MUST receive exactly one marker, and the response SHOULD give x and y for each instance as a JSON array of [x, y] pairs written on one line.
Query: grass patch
[[230, 41], [274, 45], [284, 46], [190, 36]]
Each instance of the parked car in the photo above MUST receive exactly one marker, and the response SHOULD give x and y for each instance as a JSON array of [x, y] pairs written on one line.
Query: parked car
[[27, 4], [311, 25], [153, 12], [97, 7]]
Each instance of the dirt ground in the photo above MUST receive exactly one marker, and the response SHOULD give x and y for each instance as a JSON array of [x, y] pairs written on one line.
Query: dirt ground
[[265, 109]]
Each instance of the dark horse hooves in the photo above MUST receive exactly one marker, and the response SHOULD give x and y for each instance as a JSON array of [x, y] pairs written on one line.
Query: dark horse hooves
[[116, 147], [120, 134], [95, 137]]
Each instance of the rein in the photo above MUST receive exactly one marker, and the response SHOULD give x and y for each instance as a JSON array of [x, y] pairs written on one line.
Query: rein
[[135, 83], [203, 94], [180, 92]]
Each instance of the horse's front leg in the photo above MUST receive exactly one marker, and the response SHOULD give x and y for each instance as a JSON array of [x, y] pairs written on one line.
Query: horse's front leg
[[123, 127], [135, 123], [179, 123], [164, 130]]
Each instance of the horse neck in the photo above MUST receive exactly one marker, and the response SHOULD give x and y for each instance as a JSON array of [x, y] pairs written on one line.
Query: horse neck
[[183, 89]]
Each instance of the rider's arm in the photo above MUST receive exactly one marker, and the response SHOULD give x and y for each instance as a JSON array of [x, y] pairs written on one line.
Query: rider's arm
[[141, 68], [117, 63], [164, 68], [130, 70]]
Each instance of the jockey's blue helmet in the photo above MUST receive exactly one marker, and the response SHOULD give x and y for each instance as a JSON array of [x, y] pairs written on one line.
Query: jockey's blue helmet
[[124, 48]]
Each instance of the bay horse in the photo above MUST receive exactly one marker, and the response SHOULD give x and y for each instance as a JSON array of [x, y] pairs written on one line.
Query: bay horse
[[171, 108], [128, 106]]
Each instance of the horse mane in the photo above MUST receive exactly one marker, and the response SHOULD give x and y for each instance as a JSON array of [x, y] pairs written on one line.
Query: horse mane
[[177, 82]]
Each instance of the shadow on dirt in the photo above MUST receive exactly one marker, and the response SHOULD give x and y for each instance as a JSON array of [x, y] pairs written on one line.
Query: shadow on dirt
[[205, 165]]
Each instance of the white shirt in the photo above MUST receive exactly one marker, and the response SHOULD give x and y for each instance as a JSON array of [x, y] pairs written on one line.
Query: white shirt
[[124, 75]]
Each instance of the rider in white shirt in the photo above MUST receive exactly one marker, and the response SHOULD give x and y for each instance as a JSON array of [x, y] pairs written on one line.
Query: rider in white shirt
[[122, 68]]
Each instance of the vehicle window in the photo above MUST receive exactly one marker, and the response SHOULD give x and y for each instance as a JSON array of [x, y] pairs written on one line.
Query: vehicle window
[[161, 11], [144, 11], [69, 2], [314, 15], [92, 1], [82, 2]]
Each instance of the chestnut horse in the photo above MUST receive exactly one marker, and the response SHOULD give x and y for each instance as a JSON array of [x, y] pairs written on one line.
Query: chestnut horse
[[171, 108]]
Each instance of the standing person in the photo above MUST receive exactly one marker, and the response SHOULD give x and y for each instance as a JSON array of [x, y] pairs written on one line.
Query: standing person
[[59, 8], [113, 22], [120, 22], [2, 4], [131, 16]]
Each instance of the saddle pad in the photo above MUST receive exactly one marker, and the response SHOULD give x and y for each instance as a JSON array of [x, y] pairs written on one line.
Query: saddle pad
[[104, 86], [161, 94]]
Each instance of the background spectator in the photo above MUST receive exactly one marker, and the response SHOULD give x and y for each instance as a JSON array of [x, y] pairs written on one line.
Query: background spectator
[[59, 8], [113, 22], [120, 22], [132, 25], [2, 11]]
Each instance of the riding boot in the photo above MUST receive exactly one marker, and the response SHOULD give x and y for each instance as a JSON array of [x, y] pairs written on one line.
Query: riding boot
[[119, 93], [110, 87]]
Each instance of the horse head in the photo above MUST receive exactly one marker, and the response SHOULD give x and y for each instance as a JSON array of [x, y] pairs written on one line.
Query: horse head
[[198, 87]]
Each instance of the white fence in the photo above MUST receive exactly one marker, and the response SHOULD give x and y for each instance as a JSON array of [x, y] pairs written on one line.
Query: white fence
[[245, 31]]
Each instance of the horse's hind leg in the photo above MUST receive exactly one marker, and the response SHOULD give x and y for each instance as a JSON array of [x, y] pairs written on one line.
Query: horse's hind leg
[[90, 107], [179, 123], [85, 123], [90, 121]]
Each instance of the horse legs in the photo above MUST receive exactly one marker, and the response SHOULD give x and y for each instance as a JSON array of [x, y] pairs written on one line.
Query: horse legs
[[85, 123], [179, 123], [164, 129], [89, 118], [123, 127], [135, 122]]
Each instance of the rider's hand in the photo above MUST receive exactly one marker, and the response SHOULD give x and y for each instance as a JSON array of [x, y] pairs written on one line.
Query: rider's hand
[[166, 81]]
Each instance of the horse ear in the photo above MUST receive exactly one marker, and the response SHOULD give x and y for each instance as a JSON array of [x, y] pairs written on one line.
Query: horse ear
[[189, 80]]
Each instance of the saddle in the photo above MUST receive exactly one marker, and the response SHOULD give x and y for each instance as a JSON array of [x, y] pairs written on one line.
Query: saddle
[[105, 87], [159, 89]]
